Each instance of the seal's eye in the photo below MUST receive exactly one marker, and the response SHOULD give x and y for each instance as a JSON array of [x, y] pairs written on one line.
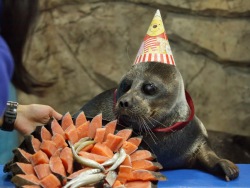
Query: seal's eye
[[125, 86], [149, 89]]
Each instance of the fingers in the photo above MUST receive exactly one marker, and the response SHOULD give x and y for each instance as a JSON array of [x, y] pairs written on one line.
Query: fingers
[[56, 115]]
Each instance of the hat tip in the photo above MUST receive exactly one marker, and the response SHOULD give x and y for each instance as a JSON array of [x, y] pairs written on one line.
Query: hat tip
[[158, 13]]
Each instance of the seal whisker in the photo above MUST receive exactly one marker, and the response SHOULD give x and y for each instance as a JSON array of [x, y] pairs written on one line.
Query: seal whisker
[[147, 118], [149, 131], [160, 123], [140, 124], [157, 121]]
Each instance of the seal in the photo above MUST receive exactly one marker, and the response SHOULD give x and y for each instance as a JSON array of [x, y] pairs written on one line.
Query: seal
[[152, 100]]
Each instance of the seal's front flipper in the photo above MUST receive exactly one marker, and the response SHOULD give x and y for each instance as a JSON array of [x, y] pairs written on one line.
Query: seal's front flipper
[[230, 170], [211, 162]]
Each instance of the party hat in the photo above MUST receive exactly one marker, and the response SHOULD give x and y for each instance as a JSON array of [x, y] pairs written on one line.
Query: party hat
[[155, 46]]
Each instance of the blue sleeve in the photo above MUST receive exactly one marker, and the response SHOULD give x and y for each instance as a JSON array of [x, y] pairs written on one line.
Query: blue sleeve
[[6, 71]]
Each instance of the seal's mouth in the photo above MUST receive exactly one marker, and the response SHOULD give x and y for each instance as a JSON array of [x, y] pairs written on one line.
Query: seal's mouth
[[126, 119]]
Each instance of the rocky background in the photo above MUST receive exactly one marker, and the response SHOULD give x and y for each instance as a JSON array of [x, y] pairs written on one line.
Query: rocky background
[[84, 47]]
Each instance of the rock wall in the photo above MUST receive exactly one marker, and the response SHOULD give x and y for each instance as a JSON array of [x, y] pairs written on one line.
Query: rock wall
[[84, 47]]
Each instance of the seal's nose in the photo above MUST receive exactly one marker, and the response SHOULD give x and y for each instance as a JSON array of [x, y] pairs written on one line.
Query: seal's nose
[[125, 102]]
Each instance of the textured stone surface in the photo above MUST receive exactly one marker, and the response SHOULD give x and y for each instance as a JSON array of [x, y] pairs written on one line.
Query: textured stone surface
[[84, 47]]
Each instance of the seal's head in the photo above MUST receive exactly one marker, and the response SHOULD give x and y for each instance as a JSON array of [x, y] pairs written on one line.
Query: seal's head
[[151, 94]]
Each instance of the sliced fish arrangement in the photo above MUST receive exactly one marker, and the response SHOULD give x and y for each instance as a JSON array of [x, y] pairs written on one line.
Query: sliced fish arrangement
[[83, 153]]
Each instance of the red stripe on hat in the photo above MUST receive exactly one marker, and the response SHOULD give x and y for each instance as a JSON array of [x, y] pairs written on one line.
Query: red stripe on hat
[[136, 60], [172, 58], [146, 57], [156, 57], [143, 58], [140, 59], [167, 59], [149, 57]]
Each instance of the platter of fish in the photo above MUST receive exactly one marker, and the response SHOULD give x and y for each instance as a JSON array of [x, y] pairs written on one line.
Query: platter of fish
[[84, 152]]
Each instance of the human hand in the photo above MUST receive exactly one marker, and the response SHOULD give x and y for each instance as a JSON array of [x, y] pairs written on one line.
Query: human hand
[[33, 115]]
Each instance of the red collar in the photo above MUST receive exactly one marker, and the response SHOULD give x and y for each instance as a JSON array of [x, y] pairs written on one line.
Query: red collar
[[178, 125]]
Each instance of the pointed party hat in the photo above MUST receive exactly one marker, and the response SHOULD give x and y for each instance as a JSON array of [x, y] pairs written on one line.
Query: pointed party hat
[[155, 46]]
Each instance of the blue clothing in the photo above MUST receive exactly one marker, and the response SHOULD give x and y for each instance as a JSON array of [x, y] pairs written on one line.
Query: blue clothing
[[6, 71], [8, 140]]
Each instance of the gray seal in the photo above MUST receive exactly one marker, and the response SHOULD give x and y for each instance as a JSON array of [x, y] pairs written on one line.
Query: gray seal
[[151, 99]]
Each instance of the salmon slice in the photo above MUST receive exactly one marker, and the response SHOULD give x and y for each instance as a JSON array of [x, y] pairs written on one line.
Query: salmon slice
[[21, 155], [50, 181], [146, 175], [110, 128], [59, 141], [56, 128], [117, 184], [135, 140], [67, 159], [48, 147], [124, 133], [92, 156], [146, 165], [82, 130], [24, 179], [58, 152], [56, 166], [141, 155], [66, 121], [42, 170], [30, 144], [114, 142], [129, 147], [127, 161], [103, 150], [100, 133], [45, 134], [71, 134], [41, 133], [22, 168], [94, 124], [88, 148], [142, 184], [39, 158], [124, 173], [36, 144], [80, 119]]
